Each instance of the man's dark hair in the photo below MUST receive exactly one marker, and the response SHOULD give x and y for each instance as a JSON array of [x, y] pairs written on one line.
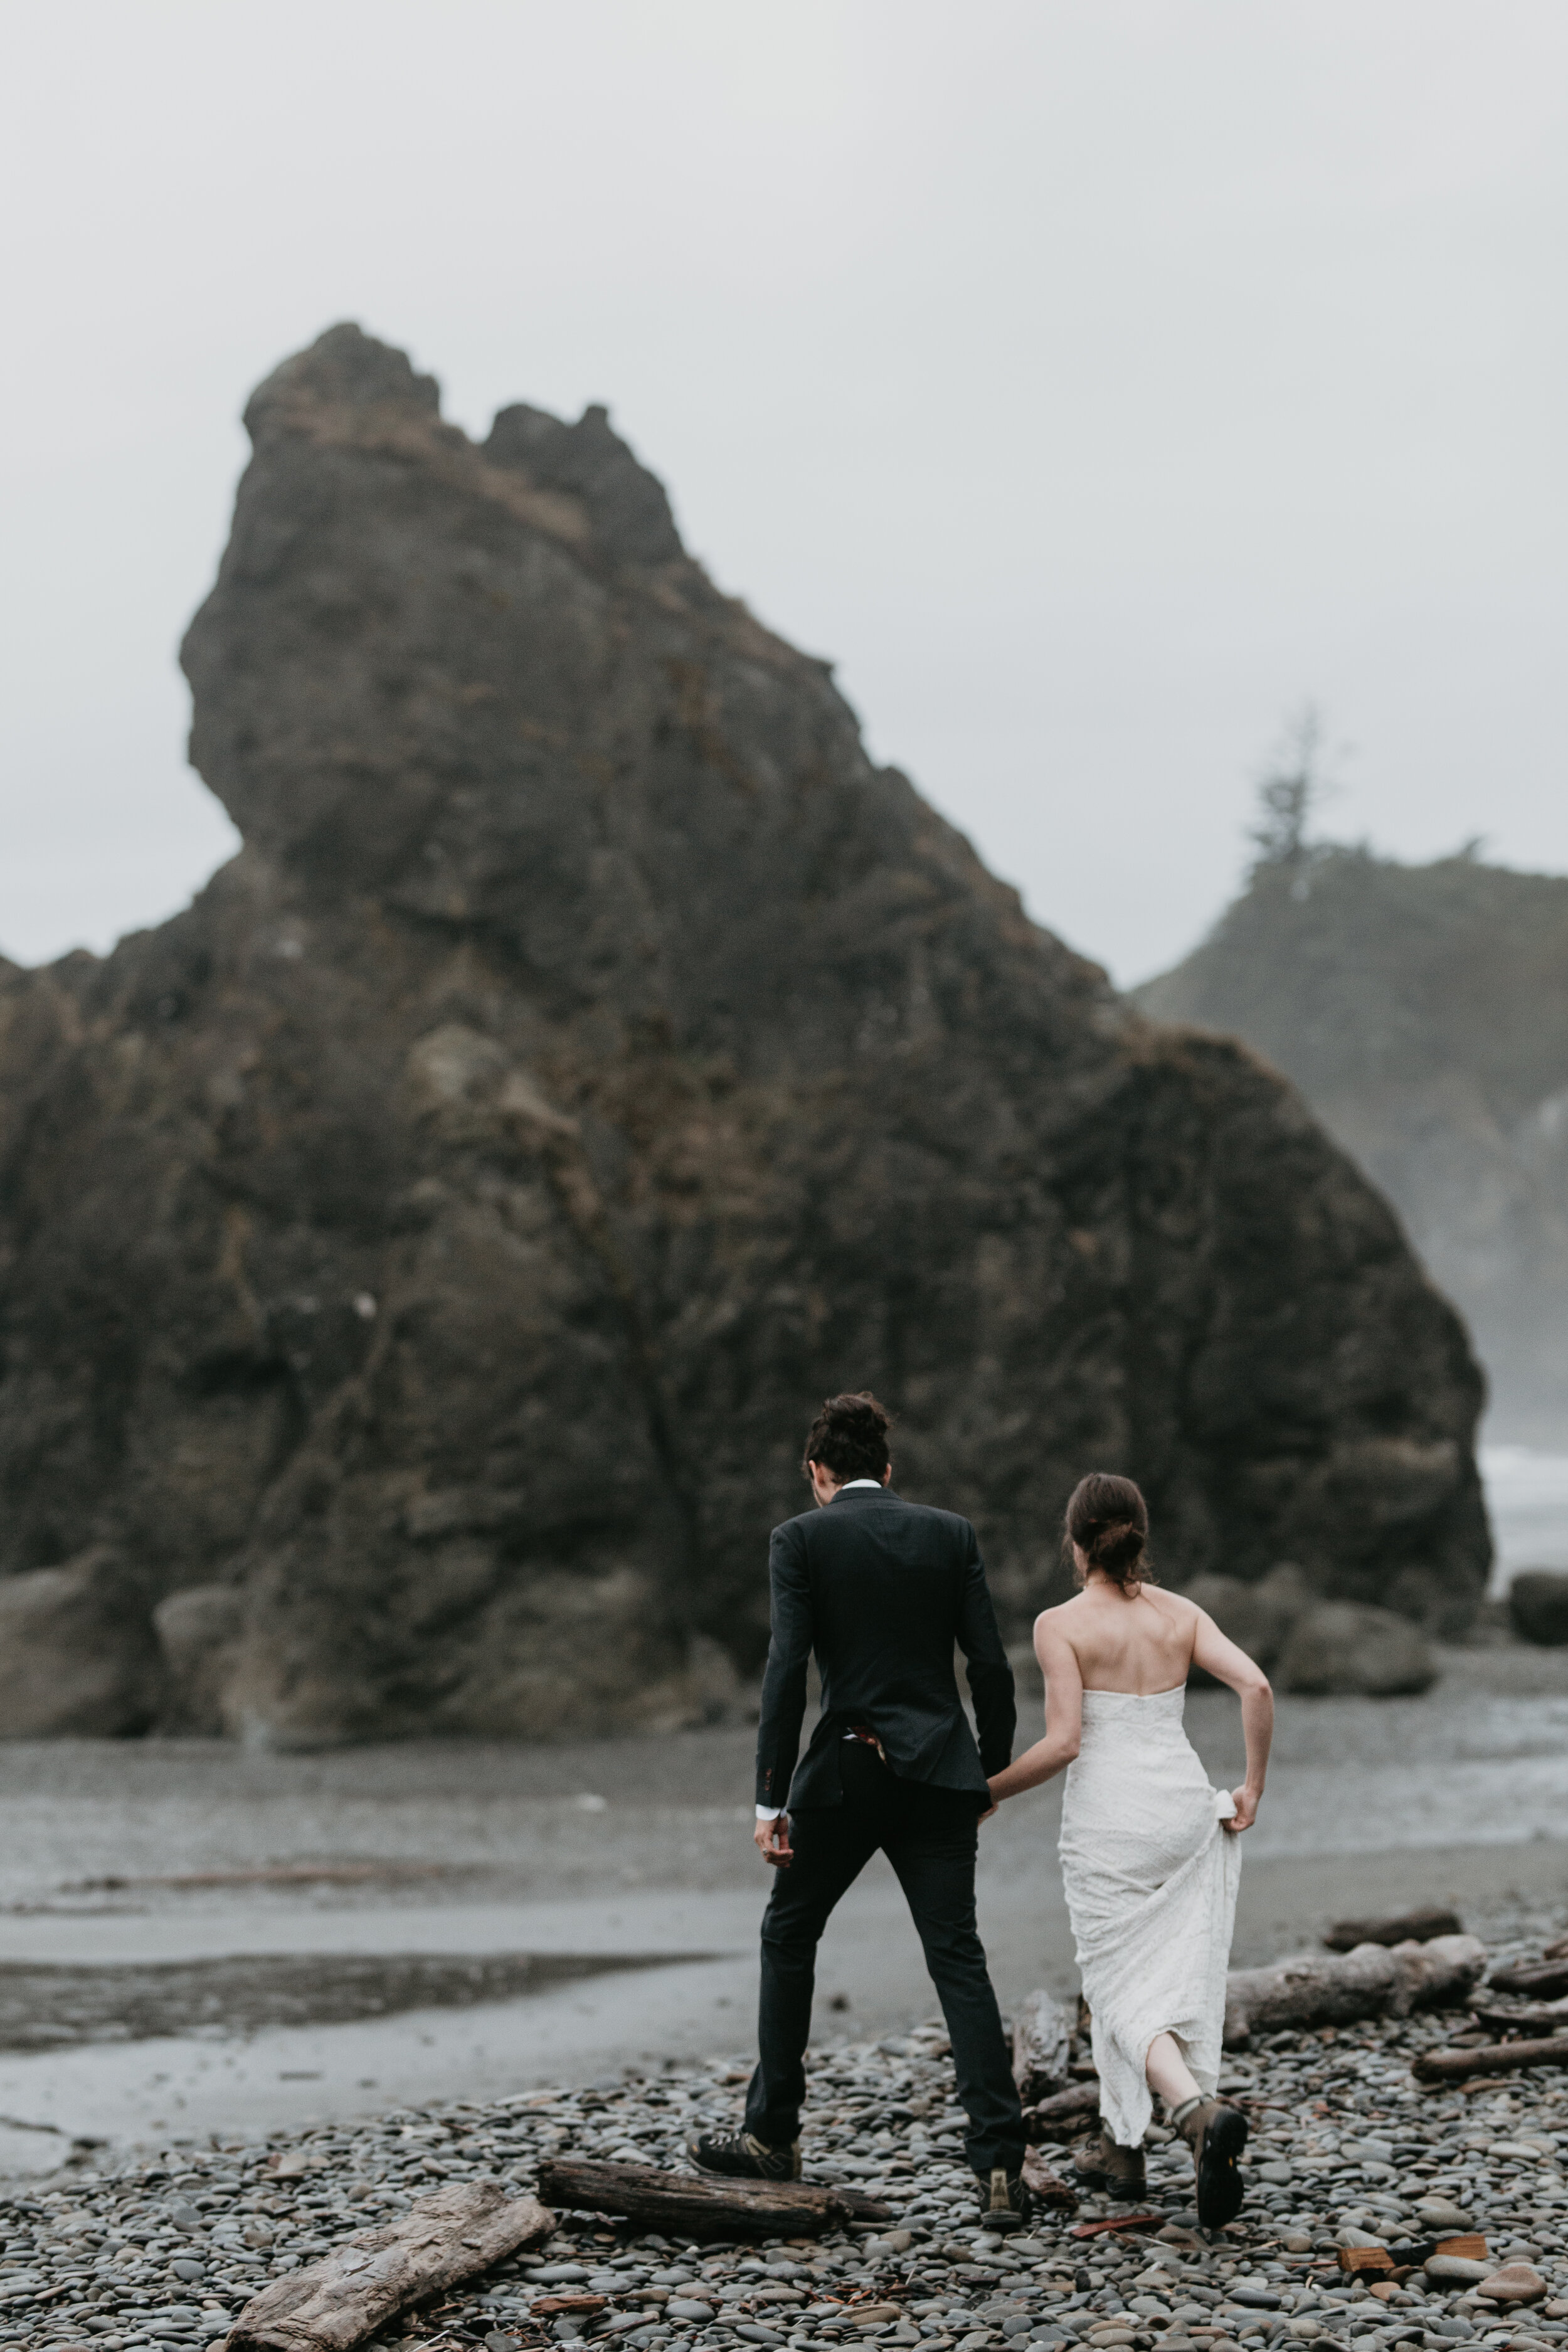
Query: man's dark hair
[[849, 1437]]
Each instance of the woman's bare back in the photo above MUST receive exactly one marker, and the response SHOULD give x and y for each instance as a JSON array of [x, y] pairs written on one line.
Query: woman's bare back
[[1138, 1641]]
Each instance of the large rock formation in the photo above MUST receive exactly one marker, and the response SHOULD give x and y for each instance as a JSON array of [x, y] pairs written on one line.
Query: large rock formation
[[420, 1258], [1423, 1009]]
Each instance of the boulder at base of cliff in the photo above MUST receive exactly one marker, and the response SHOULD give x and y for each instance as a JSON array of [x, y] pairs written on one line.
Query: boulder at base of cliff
[[199, 1629], [1345, 1647], [1537, 1606], [1259, 1618], [78, 1655]]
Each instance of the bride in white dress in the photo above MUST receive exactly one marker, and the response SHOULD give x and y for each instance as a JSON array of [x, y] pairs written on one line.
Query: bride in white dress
[[1149, 1851]]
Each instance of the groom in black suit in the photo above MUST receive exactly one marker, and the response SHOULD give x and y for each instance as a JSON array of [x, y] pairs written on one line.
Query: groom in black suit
[[881, 1590]]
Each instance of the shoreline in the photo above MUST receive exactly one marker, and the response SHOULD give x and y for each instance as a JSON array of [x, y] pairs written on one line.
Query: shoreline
[[129, 2255]]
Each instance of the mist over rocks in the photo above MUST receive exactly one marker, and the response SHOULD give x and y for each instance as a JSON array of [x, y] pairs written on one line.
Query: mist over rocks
[[1423, 1009], [419, 1259]]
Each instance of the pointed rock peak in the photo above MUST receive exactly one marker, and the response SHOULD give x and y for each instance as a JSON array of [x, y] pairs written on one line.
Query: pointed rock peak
[[344, 368], [626, 504]]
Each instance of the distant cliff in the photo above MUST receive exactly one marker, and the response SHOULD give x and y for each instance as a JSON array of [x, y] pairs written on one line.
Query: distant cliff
[[419, 1261], [1423, 1009]]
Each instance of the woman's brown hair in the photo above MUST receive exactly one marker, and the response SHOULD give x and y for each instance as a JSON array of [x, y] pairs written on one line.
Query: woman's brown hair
[[1108, 1520]]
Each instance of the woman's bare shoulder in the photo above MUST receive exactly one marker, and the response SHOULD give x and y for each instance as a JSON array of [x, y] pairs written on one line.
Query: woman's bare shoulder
[[1056, 1624], [1173, 1606]]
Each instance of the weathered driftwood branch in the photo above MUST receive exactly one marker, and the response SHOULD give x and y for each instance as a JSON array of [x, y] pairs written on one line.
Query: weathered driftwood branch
[[1042, 2037], [1545, 1979], [1492, 2058], [1048, 2185], [335, 2303], [1550, 2016], [702, 2206], [1332, 1989], [1062, 2112], [1410, 1928]]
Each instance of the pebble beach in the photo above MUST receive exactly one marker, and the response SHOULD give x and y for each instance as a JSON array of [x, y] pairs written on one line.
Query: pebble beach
[[1346, 2147]]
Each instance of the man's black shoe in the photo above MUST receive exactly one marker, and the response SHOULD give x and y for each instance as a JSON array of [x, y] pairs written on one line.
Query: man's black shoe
[[744, 2157], [1006, 2201]]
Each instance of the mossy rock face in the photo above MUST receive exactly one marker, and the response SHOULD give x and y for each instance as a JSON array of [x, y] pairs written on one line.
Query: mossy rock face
[[427, 1251], [1537, 1606]]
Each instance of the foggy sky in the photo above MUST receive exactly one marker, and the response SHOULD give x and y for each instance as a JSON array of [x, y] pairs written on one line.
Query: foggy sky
[[1092, 380]]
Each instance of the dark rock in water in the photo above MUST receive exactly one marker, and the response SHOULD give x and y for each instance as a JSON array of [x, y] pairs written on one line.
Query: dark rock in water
[[1423, 1009], [78, 1655], [1538, 1605], [440, 1234]]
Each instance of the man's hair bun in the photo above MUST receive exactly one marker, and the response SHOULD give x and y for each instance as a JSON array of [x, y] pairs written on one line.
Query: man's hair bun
[[1108, 1521], [849, 1436]]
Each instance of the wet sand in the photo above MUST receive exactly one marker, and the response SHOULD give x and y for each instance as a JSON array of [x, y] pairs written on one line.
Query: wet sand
[[197, 1939]]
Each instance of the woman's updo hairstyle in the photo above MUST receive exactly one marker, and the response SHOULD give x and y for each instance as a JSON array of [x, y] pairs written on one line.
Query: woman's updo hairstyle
[[1108, 1520]]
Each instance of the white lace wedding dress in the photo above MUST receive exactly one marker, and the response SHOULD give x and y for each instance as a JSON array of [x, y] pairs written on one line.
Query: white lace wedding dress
[[1151, 1880]]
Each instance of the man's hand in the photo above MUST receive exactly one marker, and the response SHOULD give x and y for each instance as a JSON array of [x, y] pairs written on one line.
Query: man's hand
[[772, 1842]]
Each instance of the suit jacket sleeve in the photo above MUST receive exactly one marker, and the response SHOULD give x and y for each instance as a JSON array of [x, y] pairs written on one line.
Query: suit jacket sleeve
[[783, 1683], [990, 1675]]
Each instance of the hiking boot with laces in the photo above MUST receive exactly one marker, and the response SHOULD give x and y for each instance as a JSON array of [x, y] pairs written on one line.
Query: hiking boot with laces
[[1006, 2201], [1099, 2163], [744, 2157], [1216, 2134]]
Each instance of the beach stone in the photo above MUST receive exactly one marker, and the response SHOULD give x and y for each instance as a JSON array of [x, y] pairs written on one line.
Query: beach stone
[[1441, 2213], [1456, 2269], [1515, 2283]]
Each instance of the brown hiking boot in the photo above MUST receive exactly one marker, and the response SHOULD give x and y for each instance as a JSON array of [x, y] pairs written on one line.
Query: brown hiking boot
[[1099, 2163], [1216, 2134]]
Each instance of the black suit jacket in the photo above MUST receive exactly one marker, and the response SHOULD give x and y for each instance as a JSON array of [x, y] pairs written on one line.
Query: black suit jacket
[[881, 1590]]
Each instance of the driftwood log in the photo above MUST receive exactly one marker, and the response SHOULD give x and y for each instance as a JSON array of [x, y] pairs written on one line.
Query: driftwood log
[[1549, 2016], [1409, 1928], [702, 2207], [1492, 2058], [1332, 1989], [1545, 1979], [1060, 2116], [1042, 2039], [334, 2304]]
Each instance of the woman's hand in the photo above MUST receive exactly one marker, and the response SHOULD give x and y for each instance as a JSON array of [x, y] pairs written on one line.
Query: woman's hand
[[1247, 1801]]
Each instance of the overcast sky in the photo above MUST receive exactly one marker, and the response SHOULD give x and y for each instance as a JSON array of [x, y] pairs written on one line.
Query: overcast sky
[[1093, 380]]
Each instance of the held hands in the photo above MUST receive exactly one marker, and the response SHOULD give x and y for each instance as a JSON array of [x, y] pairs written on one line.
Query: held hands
[[772, 1842], [1247, 1801]]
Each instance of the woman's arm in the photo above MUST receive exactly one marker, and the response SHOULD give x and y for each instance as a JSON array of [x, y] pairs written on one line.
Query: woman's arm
[[1221, 1658], [1064, 1716]]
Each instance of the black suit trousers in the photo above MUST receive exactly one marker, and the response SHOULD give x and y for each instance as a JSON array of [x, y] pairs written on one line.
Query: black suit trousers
[[930, 1837]]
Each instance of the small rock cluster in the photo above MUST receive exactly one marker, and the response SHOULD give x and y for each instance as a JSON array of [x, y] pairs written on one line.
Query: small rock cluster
[[1346, 2148]]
